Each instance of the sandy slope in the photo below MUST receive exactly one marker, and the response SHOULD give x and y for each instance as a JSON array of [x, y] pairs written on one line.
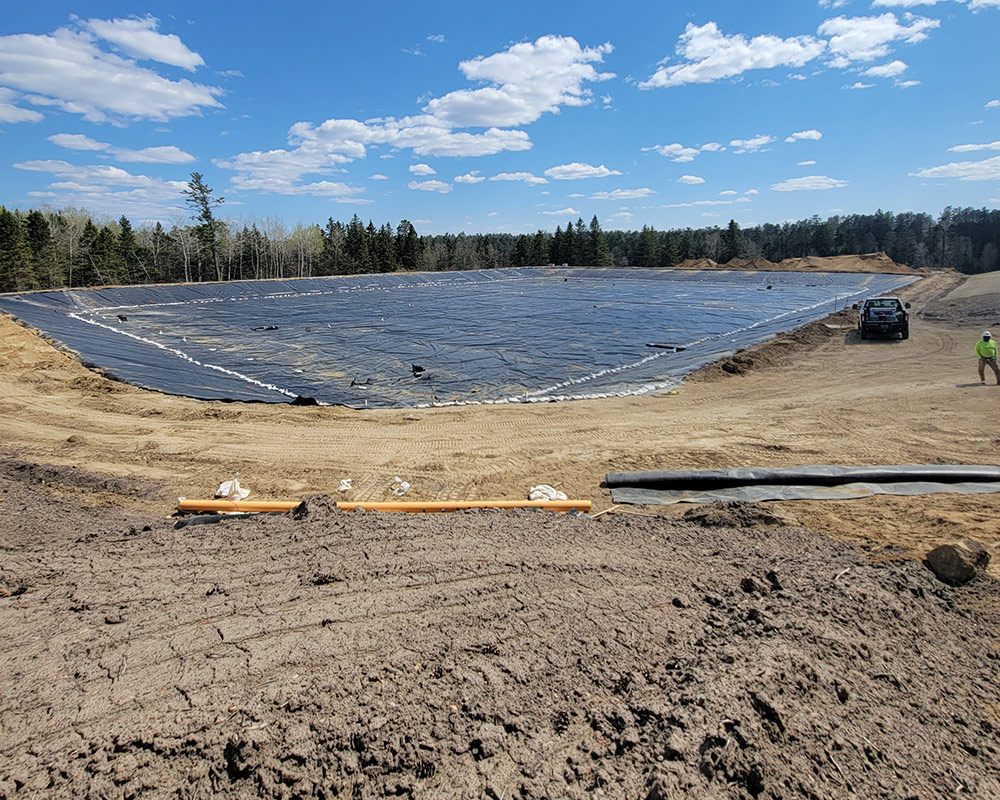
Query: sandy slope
[[817, 396]]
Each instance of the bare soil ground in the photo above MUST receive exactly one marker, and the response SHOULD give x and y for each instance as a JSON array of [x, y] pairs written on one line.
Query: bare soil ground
[[743, 653]]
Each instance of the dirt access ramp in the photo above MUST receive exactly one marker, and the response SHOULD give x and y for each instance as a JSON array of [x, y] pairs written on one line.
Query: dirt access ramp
[[481, 655]]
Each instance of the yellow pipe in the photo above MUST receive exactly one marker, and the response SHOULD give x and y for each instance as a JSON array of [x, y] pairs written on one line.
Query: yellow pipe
[[417, 506]]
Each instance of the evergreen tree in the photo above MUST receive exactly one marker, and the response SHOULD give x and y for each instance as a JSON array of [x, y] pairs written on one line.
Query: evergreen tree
[[44, 258], [557, 248], [570, 247], [201, 202], [128, 252], [356, 246], [732, 243], [539, 254], [597, 247], [407, 245], [82, 271], [669, 249], [648, 254], [17, 273]]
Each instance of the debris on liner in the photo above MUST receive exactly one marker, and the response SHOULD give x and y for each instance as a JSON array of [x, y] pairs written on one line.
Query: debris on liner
[[400, 487]]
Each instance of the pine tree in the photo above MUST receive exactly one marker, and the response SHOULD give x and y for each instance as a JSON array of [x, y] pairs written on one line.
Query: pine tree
[[356, 246], [600, 255], [44, 259], [199, 198], [17, 273], [128, 251], [539, 255], [407, 245], [648, 254], [732, 243]]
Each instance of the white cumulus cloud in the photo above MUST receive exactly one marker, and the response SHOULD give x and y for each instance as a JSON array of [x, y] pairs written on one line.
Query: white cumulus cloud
[[561, 211], [809, 183], [751, 145], [993, 104], [810, 135], [690, 180], [103, 188], [868, 38], [860, 85], [680, 153], [525, 177], [576, 171], [161, 154], [67, 70], [623, 194], [988, 170], [138, 38], [527, 80], [9, 112], [890, 70], [971, 148], [430, 186], [378, 176], [470, 177], [711, 56], [422, 169], [809, 163]]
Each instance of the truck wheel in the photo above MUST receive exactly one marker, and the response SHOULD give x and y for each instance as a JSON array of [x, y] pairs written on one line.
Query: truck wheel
[[864, 334], [904, 334]]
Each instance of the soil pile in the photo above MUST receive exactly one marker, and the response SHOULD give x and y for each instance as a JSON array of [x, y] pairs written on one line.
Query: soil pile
[[697, 263], [750, 263], [483, 655], [865, 262]]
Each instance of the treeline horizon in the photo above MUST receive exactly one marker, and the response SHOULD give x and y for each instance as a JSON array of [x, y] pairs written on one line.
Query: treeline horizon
[[47, 249]]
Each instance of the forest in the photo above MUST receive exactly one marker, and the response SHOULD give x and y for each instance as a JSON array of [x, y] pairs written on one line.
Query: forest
[[44, 248]]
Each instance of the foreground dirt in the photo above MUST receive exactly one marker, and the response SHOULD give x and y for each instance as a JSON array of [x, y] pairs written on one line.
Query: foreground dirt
[[741, 653], [483, 655]]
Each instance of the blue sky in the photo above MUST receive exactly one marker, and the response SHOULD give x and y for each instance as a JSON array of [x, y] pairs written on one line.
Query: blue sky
[[503, 118]]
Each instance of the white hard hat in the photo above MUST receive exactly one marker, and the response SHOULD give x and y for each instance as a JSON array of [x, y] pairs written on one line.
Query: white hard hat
[[987, 334]]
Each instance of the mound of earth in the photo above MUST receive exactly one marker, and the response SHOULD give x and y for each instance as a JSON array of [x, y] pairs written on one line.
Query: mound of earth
[[697, 263], [864, 262], [750, 263], [485, 654]]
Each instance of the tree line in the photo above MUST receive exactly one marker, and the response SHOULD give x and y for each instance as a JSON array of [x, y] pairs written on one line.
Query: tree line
[[42, 248]]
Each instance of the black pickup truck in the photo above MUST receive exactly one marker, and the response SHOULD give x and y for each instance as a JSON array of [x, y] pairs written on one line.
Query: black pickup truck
[[883, 316]]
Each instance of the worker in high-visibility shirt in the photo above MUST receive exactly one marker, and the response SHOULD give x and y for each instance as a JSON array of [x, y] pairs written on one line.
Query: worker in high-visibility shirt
[[986, 349]]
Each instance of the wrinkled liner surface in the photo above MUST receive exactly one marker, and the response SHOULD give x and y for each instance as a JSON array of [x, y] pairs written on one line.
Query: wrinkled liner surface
[[412, 340]]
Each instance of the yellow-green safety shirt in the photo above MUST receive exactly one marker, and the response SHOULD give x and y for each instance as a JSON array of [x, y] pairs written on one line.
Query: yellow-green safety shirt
[[986, 349]]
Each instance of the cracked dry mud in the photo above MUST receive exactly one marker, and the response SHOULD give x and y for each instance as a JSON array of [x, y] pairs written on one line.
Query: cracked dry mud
[[483, 654]]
